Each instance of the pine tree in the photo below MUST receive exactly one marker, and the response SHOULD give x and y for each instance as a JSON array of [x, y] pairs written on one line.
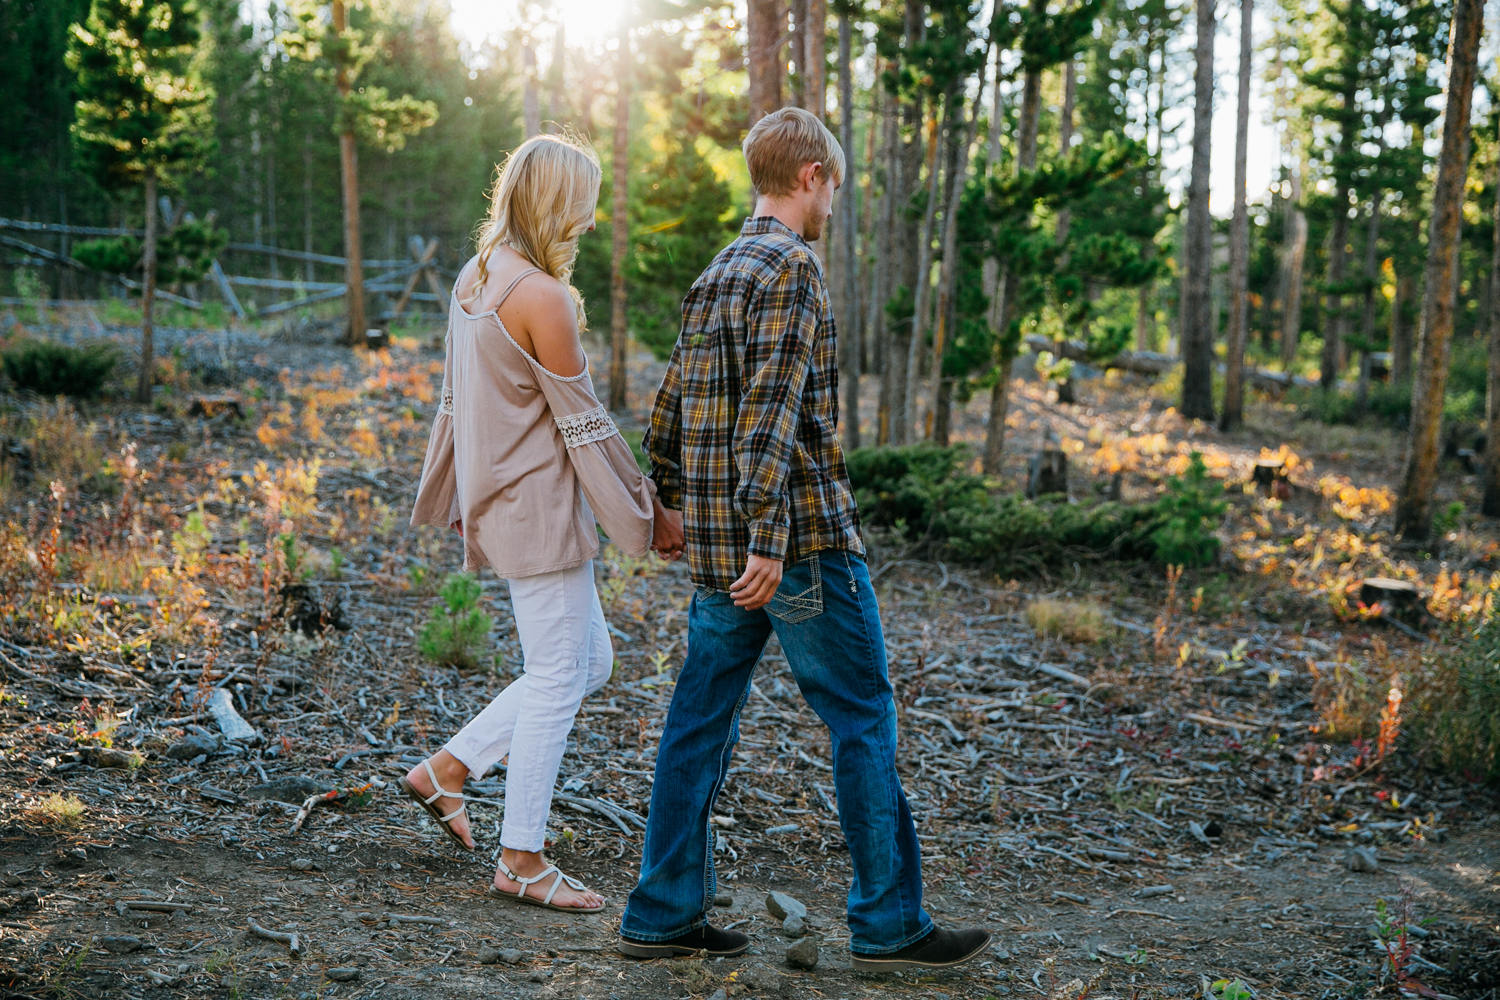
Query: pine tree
[[342, 50], [142, 114]]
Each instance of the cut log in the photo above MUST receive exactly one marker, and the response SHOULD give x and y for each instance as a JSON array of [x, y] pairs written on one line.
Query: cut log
[[213, 406], [1049, 473], [1390, 594]]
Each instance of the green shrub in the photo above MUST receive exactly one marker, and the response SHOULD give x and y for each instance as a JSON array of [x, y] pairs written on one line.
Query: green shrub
[[1187, 515], [457, 628], [1454, 714], [923, 493], [51, 369]]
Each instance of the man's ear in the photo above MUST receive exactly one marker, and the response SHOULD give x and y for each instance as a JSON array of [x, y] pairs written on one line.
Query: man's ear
[[808, 175]]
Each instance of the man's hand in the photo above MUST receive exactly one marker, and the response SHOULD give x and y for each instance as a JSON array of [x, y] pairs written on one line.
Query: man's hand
[[667, 539], [458, 526], [755, 588]]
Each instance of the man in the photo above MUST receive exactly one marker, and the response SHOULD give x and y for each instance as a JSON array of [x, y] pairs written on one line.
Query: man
[[743, 440]]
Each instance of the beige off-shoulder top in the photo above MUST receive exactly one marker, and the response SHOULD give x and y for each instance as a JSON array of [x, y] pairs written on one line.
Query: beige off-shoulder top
[[528, 459]]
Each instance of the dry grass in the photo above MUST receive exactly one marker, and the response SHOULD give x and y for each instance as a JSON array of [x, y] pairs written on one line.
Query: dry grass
[[1074, 621], [62, 811], [62, 445]]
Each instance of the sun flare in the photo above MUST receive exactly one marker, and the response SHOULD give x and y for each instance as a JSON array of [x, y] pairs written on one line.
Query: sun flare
[[583, 21]]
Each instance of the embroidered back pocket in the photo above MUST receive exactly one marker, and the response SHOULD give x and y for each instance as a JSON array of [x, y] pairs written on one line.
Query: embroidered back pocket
[[794, 608]]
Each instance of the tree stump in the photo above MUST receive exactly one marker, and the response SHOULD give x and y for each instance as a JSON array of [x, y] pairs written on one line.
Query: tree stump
[[1266, 471], [1391, 595], [1049, 473], [213, 406]]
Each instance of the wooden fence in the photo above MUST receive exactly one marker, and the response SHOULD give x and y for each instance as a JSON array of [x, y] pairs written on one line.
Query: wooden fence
[[400, 277]]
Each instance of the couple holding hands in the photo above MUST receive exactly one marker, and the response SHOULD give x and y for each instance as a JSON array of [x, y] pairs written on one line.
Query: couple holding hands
[[747, 479]]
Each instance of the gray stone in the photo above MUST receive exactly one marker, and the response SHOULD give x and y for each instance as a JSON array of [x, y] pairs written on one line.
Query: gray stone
[[540, 975], [803, 954], [794, 926], [302, 865], [722, 900], [1361, 859], [294, 790], [487, 955], [11, 879], [512, 956], [720, 994], [193, 746], [782, 906], [1001, 955], [120, 944], [401, 953], [762, 978], [342, 975]]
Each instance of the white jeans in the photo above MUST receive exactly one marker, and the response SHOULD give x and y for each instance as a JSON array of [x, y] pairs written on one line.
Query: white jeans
[[568, 655]]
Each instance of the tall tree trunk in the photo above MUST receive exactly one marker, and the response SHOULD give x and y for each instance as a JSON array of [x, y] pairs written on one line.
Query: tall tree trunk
[[799, 53], [764, 27], [812, 63], [1239, 243], [148, 290], [530, 104], [1490, 506], [1401, 341], [966, 129], [848, 261], [1367, 310], [619, 329], [1197, 307], [1414, 505], [887, 269], [908, 232], [921, 294], [1031, 106], [1065, 215], [354, 274], [1338, 256], [1296, 253]]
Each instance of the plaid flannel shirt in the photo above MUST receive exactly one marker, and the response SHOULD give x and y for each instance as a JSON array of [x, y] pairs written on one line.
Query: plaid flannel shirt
[[744, 430]]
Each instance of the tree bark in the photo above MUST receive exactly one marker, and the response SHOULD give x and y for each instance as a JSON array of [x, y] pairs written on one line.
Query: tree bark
[[1239, 243], [923, 290], [354, 275], [887, 269], [1414, 505], [764, 28], [1065, 215], [1296, 252], [1490, 506], [1197, 306], [908, 233], [812, 63], [1338, 256], [619, 329], [1372, 275], [148, 290], [1005, 308], [1401, 346], [849, 345], [307, 204]]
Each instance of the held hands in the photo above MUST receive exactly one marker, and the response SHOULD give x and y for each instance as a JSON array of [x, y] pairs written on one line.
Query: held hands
[[667, 539], [755, 588]]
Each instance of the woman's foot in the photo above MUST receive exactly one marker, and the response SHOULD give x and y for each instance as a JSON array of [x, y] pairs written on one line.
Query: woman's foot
[[451, 774], [531, 863]]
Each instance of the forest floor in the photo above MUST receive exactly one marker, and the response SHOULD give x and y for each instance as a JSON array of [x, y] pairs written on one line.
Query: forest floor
[[1140, 795]]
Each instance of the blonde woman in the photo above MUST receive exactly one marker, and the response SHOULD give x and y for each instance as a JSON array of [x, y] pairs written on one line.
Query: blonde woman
[[521, 460]]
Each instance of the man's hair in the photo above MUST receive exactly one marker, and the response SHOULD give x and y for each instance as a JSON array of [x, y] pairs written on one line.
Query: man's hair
[[782, 143]]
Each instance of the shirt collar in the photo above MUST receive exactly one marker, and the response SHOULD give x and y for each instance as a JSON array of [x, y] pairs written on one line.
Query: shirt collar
[[761, 224]]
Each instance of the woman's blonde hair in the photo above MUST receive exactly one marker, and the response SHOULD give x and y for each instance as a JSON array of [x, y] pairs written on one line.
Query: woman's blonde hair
[[543, 200]]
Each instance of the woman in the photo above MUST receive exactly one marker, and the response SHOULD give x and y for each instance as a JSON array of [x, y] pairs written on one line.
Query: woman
[[521, 460]]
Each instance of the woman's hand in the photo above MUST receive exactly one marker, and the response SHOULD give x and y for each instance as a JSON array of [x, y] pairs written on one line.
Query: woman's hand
[[667, 539], [458, 526]]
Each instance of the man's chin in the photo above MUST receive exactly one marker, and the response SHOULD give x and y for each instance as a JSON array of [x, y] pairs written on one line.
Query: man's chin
[[812, 231]]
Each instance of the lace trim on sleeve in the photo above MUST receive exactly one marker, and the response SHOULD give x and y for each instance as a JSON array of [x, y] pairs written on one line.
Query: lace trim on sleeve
[[584, 428], [446, 406]]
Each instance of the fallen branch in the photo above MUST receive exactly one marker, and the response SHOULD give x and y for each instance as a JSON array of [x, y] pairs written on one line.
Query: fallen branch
[[291, 940], [312, 801], [1144, 913]]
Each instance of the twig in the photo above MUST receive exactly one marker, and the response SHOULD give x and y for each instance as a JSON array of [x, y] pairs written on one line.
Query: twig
[[1145, 913], [1063, 854]]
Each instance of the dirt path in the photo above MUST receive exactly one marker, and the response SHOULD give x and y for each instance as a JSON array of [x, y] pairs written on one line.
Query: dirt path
[[1058, 784]]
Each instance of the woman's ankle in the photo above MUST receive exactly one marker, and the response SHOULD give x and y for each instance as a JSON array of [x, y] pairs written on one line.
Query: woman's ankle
[[523, 863]]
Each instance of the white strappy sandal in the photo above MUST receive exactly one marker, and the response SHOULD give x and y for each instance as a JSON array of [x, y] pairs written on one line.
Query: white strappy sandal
[[427, 803], [525, 883]]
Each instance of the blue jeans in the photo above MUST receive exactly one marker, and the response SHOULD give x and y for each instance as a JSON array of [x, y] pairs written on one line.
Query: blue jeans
[[828, 622]]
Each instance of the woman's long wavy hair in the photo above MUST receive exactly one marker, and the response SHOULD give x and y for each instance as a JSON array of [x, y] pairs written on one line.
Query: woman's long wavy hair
[[543, 200]]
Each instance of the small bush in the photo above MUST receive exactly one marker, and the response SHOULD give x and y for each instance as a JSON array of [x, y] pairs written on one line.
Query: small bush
[[50, 369], [1457, 719], [62, 811], [1189, 511], [457, 629], [1075, 621]]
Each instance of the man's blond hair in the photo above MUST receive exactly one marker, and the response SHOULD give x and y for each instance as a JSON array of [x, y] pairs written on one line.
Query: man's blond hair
[[782, 143]]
